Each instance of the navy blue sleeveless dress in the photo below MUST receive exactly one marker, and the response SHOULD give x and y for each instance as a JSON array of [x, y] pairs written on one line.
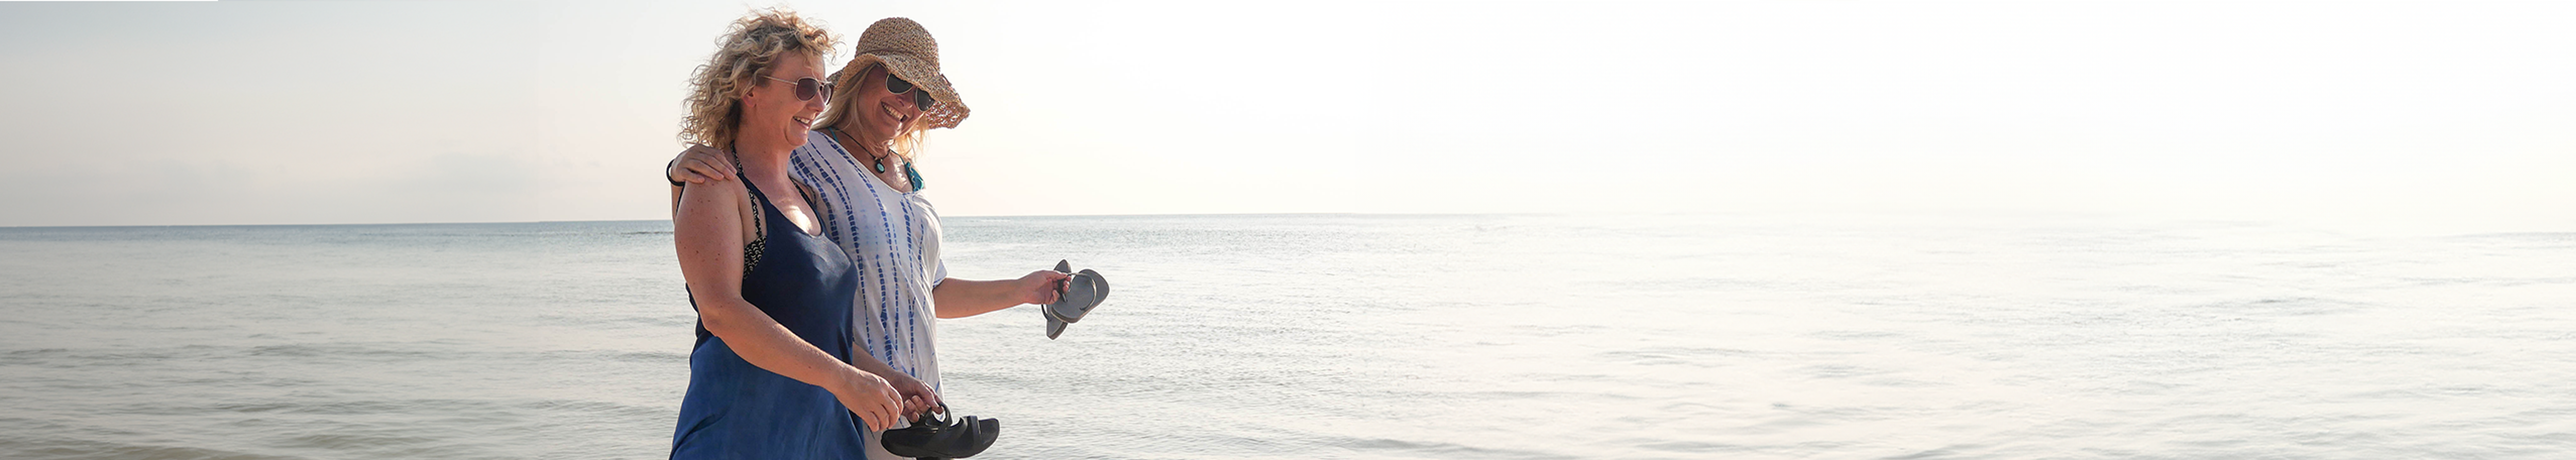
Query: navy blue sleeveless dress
[[734, 410]]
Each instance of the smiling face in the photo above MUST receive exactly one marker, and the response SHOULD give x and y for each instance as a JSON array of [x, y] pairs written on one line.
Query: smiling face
[[884, 113], [772, 113]]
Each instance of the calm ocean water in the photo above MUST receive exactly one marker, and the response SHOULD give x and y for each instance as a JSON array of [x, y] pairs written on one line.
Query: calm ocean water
[[1340, 336]]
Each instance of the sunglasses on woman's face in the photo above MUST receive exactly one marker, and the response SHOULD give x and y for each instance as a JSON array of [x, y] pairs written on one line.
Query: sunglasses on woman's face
[[920, 99], [807, 88]]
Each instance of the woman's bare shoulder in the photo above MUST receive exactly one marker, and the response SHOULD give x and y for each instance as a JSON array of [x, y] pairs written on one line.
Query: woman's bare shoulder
[[724, 198]]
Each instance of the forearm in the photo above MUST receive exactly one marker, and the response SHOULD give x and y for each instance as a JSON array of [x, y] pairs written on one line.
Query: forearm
[[859, 358], [763, 342], [956, 298]]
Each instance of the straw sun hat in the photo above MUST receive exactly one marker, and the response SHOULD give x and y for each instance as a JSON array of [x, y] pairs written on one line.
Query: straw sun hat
[[907, 50]]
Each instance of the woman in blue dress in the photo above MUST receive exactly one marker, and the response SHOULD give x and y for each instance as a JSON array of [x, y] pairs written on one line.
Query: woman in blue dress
[[769, 377]]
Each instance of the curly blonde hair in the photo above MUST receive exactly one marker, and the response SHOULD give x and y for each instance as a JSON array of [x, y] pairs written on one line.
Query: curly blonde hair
[[747, 52]]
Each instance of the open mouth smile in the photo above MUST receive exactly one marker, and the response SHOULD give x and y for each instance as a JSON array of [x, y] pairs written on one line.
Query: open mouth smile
[[897, 115]]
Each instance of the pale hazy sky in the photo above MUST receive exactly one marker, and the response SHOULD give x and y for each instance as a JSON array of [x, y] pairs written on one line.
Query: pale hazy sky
[[2455, 114]]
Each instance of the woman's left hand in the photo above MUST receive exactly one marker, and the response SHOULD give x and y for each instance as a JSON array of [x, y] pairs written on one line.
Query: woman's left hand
[[1041, 287], [917, 397]]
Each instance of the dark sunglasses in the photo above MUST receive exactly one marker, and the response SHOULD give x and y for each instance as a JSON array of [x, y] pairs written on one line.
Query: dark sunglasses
[[808, 88], [920, 99]]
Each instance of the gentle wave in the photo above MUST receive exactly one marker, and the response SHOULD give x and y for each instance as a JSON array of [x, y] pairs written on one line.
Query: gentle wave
[[1301, 336]]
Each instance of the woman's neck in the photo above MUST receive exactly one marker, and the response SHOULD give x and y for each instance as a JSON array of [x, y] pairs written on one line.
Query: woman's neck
[[875, 157], [762, 157], [848, 130]]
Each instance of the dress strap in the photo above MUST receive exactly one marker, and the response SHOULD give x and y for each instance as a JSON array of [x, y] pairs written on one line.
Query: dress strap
[[759, 222]]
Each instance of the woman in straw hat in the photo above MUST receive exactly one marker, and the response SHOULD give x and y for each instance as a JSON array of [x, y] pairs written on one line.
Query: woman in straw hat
[[769, 376], [860, 157]]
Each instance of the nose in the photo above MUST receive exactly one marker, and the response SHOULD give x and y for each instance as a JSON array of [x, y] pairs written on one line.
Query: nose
[[816, 104]]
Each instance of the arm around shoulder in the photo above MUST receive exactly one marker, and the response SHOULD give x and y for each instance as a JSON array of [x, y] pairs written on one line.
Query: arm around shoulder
[[698, 165]]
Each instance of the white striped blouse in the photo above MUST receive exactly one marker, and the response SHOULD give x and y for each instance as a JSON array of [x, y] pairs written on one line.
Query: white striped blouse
[[893, 239]]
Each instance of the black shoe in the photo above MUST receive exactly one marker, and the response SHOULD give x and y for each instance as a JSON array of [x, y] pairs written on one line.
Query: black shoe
[[1080, 294], [934, 436]]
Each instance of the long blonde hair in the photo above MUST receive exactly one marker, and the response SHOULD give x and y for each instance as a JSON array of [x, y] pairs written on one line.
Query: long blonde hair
[[845, 100], [746, 53]]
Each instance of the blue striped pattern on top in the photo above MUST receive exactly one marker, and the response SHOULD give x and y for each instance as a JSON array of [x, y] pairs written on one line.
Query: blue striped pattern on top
[[893, 240]]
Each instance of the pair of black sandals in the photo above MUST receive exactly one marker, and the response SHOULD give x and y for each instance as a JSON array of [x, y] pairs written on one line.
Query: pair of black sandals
[[934, 435]]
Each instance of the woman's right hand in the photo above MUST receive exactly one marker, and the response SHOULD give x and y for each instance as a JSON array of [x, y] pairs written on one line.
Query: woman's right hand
[[869, 396], [700, 164]]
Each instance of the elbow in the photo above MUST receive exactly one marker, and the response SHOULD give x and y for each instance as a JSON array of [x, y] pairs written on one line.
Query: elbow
[[721, 317], [949, 310], [952, 311]]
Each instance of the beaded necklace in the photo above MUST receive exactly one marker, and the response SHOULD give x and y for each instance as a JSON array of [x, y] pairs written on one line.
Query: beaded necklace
[[877, 162]]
